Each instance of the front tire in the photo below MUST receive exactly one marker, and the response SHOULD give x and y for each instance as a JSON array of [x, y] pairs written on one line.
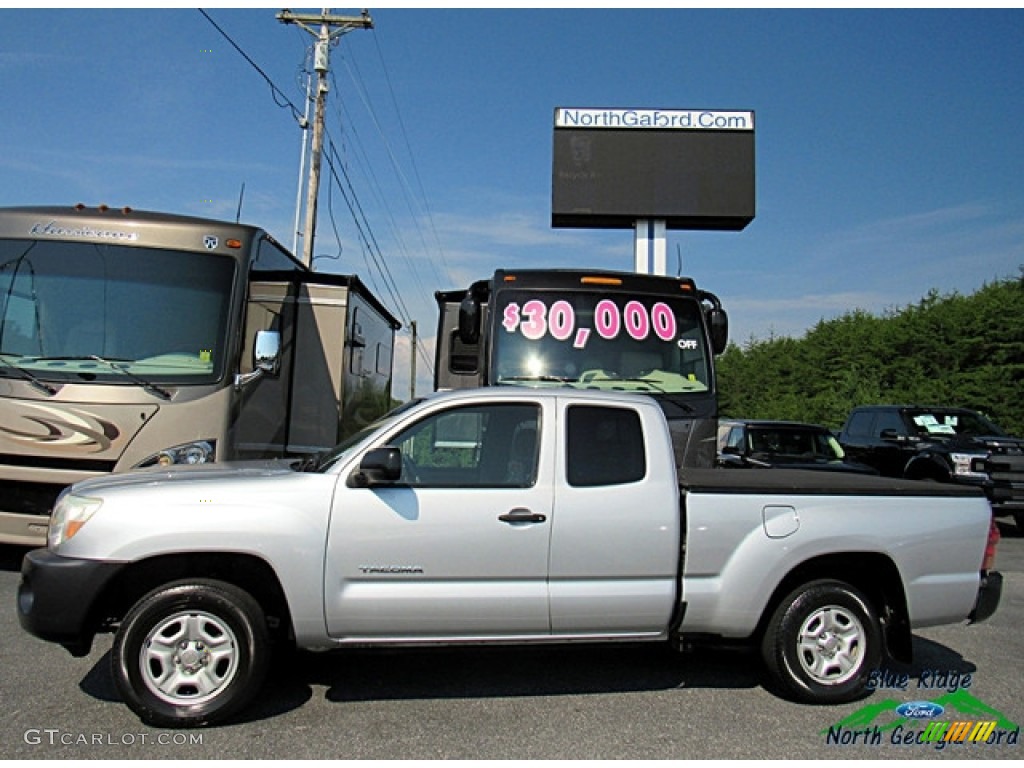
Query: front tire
[[822, 643], [191, 653]]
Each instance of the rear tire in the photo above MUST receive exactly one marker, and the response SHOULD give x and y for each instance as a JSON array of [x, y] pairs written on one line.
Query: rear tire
[[191, 653], [822, 642]]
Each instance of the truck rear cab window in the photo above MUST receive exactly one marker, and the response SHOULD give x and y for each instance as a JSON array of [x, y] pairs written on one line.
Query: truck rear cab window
[[605, 446]]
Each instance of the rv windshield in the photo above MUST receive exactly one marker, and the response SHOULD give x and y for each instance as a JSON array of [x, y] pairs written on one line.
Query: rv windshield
[[80, 311], [643, 343]]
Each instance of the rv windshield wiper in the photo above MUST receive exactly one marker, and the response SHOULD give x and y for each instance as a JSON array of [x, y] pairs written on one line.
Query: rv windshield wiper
[[672, 397], [29, 377], [147, 385], [545, 378]]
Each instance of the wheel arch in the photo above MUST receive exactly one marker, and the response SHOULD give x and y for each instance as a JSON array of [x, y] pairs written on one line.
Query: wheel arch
[[247, 572], [928, 466], [872, 573]]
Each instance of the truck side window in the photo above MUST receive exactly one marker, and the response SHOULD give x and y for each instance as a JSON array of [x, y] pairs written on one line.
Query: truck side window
[[479, 446], [605, 446], [860, 424], [890, 420]]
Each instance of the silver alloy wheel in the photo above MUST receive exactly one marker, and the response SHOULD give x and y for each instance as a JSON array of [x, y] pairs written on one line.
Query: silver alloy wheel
[[189, 657], [831, 645]]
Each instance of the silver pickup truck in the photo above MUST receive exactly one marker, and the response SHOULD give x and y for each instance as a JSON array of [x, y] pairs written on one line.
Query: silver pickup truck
[[499, 516]]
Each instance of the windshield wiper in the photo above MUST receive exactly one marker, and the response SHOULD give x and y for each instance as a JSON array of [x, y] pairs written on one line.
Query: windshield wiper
[[146, 385], [310, 463], [29, 377], [672, 397], [545, 378]]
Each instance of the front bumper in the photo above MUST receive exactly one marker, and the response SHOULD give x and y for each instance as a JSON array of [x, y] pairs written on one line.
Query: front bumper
[[989, 592], [57, 595]]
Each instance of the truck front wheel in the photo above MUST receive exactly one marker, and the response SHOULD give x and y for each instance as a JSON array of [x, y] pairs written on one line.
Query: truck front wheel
[[190, 653], [822, 643]]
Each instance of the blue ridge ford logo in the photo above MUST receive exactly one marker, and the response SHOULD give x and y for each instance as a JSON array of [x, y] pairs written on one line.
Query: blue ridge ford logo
[[920, 710]]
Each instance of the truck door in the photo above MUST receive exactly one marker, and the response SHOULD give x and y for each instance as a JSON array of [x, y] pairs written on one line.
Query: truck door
[[615, 544], [457, 548]]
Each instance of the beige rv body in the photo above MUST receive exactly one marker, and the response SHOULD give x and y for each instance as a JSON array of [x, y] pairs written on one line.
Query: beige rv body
[[123, 335]]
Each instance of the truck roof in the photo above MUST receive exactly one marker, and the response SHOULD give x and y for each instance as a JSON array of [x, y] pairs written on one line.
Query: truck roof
[[504, 392]]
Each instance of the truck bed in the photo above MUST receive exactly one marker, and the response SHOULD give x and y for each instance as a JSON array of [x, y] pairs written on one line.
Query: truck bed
[[813, 483]]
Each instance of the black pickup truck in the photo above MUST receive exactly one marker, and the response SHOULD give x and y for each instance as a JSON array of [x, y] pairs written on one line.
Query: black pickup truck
[[955, 445]]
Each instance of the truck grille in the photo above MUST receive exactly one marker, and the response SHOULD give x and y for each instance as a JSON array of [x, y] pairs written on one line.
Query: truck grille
[[1007, 474]]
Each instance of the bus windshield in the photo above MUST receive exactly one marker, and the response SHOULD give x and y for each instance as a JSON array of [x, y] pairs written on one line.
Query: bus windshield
[[74, 311], [640, 342]]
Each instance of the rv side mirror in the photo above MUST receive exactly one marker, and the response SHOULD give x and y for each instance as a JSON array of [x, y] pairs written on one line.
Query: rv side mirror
[[266, 358], [718, 329], [266, 352], [469, 320]]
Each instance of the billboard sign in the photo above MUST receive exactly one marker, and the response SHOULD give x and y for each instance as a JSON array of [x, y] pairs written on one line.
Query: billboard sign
[[692, 168]]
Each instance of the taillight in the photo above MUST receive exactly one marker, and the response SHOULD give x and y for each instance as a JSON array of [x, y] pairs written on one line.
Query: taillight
[[989, 561]]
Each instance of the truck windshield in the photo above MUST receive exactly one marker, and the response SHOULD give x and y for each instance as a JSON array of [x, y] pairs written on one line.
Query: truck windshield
[[108, 313], [641, 343], [936, 422]]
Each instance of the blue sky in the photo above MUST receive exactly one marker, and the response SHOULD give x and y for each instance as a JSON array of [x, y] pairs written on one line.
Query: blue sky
[[889, 157]]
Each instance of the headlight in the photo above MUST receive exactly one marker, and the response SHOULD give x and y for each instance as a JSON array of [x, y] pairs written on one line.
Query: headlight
[[199, 452], [968, 464], [69, 515]]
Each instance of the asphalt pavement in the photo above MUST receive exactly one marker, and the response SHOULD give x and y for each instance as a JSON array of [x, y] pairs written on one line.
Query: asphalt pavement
[[569, 702]]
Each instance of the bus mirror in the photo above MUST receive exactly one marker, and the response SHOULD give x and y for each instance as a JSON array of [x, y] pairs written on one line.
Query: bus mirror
[[718, 328], [469, 320], [266, 358], [266, 352]]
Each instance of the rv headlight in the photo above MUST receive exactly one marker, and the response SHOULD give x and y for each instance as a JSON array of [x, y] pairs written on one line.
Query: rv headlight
[[69, 515], [199, 452]]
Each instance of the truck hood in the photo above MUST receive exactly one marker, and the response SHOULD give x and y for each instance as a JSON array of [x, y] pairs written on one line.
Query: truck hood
[[226, 472], [998, 444]]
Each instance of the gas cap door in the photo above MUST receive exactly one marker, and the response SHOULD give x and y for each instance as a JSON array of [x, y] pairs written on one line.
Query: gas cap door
[[780, 520]]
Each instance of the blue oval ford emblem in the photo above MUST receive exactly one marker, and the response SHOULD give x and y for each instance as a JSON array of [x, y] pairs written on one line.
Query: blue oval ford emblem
[[920, 710]]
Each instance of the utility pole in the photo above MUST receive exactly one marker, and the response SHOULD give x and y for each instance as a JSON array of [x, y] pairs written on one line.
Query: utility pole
[[412, 374], [331, 28]]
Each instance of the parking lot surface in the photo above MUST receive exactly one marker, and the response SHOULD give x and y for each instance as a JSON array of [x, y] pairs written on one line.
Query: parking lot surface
[[569, 702]]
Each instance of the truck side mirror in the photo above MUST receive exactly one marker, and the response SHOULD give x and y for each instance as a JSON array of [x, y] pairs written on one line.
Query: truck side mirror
[[469, 320], [890, 434], [378, 466], [718, 329]]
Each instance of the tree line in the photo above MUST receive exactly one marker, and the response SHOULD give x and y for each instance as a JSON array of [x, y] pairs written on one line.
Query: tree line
[[950, 349]]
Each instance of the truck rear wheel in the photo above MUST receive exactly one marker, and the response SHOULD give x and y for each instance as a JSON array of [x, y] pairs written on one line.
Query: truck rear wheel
[[190, 653], [822, 643]]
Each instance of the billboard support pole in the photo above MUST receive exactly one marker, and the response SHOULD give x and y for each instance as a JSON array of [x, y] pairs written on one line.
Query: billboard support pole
[[650, 247]]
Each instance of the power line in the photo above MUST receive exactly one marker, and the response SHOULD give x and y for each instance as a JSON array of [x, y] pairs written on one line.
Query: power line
[[412, 159], [373, 247], [274, 90], [383, 200], [362, 224]]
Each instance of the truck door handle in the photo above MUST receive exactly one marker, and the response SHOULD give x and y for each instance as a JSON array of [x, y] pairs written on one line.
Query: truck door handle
[[522, 515]]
